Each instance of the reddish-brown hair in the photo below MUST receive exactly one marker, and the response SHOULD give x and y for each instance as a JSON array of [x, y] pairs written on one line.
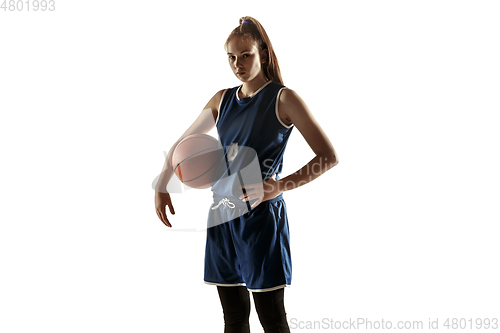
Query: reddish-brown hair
[[254, 30]]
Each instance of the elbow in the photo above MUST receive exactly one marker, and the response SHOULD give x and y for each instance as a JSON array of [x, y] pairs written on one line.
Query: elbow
[[334, 162], [331, 159]]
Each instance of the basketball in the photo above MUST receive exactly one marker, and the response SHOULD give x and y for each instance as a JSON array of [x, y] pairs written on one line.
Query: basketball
[[196, 160]]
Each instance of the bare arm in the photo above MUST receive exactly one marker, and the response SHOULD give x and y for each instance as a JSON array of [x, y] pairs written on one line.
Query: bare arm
[[203, 124], [295, 110], [326, 158]]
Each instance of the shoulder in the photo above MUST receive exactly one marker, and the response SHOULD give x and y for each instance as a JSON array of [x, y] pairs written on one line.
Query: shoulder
[[215, 101], [288, 96], [288, 102], [218, 95]]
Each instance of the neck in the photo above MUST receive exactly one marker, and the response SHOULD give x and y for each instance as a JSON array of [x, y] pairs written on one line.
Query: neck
[[250, 87]]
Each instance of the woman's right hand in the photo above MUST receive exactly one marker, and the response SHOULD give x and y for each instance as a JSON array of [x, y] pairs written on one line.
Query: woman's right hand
[[162, 200], [202, 125]]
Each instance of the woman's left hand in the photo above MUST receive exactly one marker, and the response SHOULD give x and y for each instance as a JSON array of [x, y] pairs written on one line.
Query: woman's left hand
[[261, 191]]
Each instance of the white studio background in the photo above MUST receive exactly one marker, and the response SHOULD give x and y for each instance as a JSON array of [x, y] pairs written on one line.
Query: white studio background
[[403, 228]]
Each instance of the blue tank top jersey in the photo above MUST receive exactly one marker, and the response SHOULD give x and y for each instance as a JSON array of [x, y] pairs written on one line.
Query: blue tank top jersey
[[250, 129]]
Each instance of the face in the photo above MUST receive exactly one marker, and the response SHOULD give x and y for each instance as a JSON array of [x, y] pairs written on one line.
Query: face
[[244, 58]]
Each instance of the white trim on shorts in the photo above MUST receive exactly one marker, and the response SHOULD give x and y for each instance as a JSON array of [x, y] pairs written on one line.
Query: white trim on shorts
[[243, 284]]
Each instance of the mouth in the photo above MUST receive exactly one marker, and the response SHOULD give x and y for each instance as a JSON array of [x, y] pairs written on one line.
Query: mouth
[[240, 73]]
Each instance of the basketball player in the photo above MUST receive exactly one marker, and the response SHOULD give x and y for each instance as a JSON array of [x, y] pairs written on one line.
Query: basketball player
[[252, 251]]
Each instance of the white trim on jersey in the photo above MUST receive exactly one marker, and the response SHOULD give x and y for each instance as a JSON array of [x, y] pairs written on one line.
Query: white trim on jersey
[[277, 113], [220, 103], [255, 93]]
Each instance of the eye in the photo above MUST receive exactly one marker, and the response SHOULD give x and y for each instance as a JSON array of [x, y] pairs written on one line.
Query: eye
[[246, 55]]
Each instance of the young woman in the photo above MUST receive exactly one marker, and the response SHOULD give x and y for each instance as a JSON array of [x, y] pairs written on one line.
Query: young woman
[[252, 251]]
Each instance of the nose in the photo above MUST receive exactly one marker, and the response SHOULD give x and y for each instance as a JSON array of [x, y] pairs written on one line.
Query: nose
[[237, 62]]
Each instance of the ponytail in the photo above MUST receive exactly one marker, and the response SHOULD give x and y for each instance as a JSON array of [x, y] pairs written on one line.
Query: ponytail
[[250, 27]]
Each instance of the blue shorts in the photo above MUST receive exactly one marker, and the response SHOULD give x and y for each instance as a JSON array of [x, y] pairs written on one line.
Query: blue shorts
[[252, 248]]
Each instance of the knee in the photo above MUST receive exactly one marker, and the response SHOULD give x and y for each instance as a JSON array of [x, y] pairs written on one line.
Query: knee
[[237, 315], [236, 306], [271, 311], [274, 322]]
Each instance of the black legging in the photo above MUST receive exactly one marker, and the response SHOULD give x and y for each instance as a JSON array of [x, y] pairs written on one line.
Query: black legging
[[269, 305]]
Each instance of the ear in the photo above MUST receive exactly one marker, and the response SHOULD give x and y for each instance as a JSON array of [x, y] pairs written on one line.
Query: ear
[[264, 57]]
